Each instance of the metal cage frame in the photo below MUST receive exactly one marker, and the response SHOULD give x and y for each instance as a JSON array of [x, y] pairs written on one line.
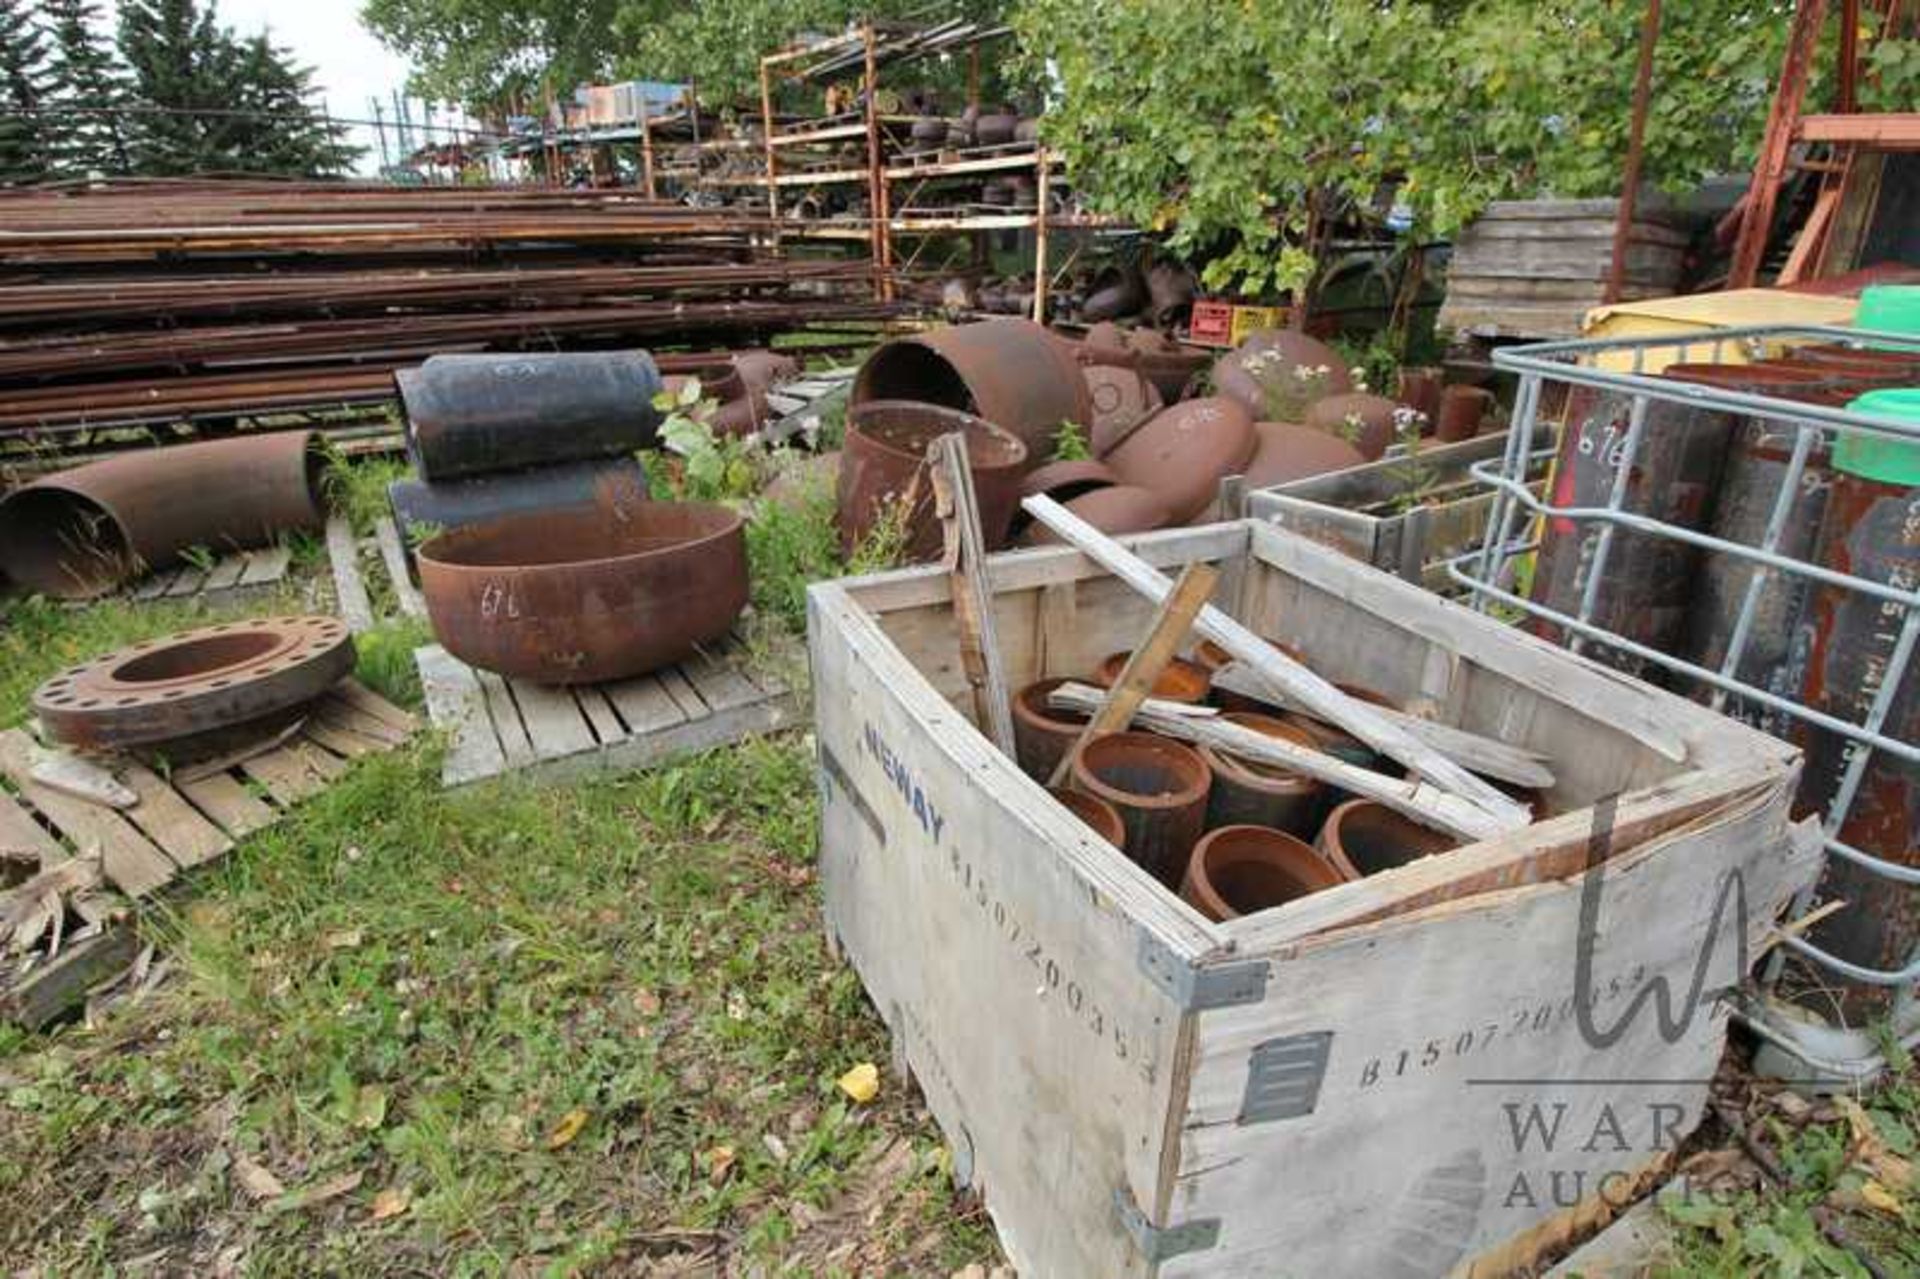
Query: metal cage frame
[[1842, 1053]]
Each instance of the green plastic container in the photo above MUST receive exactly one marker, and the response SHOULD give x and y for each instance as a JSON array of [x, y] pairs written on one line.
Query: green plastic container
[[1876, 457], [1890, 308]]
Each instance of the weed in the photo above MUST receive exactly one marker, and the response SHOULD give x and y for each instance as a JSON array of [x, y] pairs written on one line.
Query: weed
[[1070, 444]]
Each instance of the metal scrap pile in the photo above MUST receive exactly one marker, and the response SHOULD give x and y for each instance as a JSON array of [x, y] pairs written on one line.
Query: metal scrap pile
[[1113, 426], [154, 302]]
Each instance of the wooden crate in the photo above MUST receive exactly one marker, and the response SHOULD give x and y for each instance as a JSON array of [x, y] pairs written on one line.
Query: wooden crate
[[1534, 268], [1366, 511], [1317, 1089]]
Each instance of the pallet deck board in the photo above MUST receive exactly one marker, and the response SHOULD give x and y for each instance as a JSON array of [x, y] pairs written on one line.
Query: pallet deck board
[[130, 861], [229, 803], [235, 571], [498, 725], [170, 821], [19, 833], [350, 589], [393, 553]]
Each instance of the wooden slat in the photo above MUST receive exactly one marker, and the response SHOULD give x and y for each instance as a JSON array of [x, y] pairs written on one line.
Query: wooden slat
[[225, 574], [364, 699], [170, 821], [457, 705], [285, 774], [644, 704], [19, 833], [393, 553], [46, 992], [189, 582], [155, 585], [341, 741], [600, 713], [236, 810], [317, 757], [355, 608], [266, 566], [554, 722], [717, 678], [129, 859], [681, 690], [507, 726], [339, 714]]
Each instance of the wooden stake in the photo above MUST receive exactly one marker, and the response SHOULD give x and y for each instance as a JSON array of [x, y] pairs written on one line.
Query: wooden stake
[[1288, 678], [972, 589], [1170, 626]]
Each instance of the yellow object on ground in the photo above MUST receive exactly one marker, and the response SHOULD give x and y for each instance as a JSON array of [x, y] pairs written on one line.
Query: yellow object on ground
[[1703, 313]]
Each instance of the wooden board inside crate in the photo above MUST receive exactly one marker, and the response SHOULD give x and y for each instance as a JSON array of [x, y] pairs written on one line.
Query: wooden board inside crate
[[178, 825], [497, 725]]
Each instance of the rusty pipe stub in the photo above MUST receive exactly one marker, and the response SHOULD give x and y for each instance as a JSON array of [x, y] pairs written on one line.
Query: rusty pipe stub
[[78, 534], [1238, 870], [1159, 787], [194, 681], [883, 471]]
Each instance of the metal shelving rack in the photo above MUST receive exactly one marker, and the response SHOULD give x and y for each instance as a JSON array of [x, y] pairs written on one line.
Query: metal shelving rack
[[1555, 371]]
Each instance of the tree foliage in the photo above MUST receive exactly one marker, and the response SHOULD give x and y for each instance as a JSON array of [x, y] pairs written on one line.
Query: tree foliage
[[85, 76], [1235, 127], [25, 83]]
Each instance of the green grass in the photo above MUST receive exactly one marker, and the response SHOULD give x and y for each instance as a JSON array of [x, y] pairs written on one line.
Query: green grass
[[398, 995]]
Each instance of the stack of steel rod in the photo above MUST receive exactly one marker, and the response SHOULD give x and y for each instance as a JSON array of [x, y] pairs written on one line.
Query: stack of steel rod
[[143, 303]]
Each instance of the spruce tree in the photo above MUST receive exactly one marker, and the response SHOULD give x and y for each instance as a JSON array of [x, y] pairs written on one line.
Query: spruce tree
[[91, 135], [25, 82]]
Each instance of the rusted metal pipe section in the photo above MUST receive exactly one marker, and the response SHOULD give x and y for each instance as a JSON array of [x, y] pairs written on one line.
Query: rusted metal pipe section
[[78, 534], [1362, 837], [1159, 788], [194, 682], [883, 473], [1179, 680], [581, 596], [1237, 870], [1013, 373], [1041, 733], [1248, 793], [470, 414], [614, 484]]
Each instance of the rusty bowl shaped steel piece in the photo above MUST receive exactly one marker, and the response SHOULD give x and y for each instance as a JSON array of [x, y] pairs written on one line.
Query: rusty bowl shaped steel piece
[[1097, 813], [1280, 365], [1365, 837], [1180, 681], [883, 466], [1249, 793], [1120, 509], [1012, 373], [1064, 481], [1122, 399], [194, 681], [80, 533], [1287, 453], [1462, 410], [1238, 870], [576, 597], [1183, 452], [1365, 421], [1159, 788]]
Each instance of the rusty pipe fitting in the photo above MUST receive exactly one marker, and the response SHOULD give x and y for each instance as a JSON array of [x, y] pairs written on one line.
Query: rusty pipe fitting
[[1362, 837], [1042, 734], [1095, 812], [1159, 788], [1180, 681], [883, 464], [1238, 870], [1248, 793], [78, 534]]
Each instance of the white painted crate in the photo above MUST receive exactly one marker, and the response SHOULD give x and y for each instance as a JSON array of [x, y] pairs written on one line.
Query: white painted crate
[[1318, 1090]]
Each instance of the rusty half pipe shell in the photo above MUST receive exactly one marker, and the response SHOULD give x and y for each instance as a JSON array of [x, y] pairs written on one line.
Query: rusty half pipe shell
[[883, 465], [194, 682], [581, 596], [78, 534], [610, 484], [1013, 373], [470, 414]]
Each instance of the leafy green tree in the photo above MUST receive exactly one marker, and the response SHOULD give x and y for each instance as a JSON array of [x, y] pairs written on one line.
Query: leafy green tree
[[205, 101], [1244, 129], [87, 79], [25, 82]]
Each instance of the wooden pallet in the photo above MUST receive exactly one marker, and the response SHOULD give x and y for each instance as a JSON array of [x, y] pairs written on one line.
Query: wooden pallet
[[177, 826], [496, 725], [239, 572]]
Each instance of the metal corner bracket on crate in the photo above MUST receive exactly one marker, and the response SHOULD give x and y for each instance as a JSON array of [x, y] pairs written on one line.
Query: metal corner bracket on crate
[[1197, 988], [1163, 1243]]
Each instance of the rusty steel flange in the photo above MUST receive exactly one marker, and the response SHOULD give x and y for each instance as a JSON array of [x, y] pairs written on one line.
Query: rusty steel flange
[[195, 681]]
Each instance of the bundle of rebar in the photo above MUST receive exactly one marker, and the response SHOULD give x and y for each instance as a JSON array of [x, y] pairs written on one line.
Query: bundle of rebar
[[198, 301]]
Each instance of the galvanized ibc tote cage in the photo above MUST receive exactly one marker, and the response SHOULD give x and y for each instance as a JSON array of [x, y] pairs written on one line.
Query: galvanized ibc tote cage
[[1707, 531]]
